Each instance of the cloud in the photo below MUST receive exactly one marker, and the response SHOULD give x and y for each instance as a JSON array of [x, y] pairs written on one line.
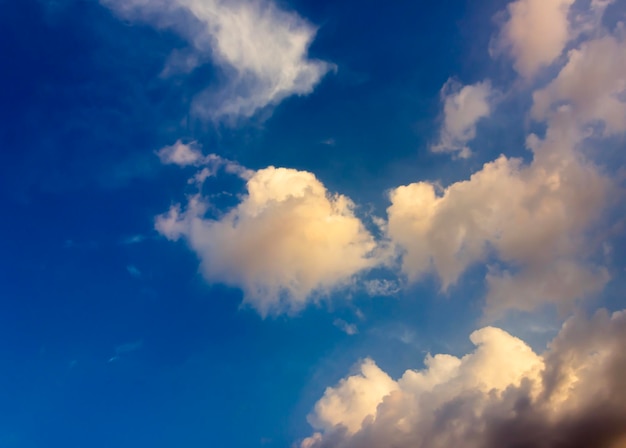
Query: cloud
[[592, 83], [463, 107], [260, 49], [288, 242], [190, 154], [535, 33], [181, 154], [501, 395], [133, 271], [349, 329], [532, 219], [134, 239], [381, 287], [126, 349], [353, 399]]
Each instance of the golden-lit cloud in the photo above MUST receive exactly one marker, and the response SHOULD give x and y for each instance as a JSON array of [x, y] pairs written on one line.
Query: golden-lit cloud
[[592, 83], [500, 395], [527, 221], [535, 33], [463, 107], [288, 242]]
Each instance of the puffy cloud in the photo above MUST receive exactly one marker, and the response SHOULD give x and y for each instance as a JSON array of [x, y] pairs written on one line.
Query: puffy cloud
[[463, 107], [261, 49], [592, 83], [355, 398], [287, 242], [535, 33], [181, 154], [531, 218], [501, 395]]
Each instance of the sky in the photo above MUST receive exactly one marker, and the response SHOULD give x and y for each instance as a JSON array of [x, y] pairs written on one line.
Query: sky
[[313, 224]]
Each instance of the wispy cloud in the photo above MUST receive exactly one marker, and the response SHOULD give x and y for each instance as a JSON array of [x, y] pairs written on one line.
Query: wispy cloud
[[349, 329], [260, 48], [134, 239], [126, 349], [133, 271], [181, 154]]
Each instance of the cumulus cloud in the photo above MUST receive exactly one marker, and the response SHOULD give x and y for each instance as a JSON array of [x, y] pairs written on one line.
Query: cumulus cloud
[[288, 241], [535, 33], [353, 399], [501, 395], [463, 107], [260, 48], [531, 218], [592, 83], [531, 223]]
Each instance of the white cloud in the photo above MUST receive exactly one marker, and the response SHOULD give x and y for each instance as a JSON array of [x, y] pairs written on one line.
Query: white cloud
[[349, 329], [500, 395], [592, 84], [353, 399], [181, 154], [286, 243], [533, 218], [260, 49], [463, 107], [190, 154], [535, 33]]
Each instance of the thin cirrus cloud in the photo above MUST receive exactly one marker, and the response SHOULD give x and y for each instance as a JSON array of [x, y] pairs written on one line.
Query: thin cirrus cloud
[[261, 50], [502, 394], [287, 243], [463, 107]]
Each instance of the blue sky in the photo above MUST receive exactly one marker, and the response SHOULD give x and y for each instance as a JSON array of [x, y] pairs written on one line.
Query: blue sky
[[277, 223]]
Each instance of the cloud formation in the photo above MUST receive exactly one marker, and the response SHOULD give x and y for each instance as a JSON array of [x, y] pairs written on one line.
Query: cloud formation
[[502, 395], [531, 224], [260, 49], [288, 242], [528, 221], [463, 107], [535, 33], [592, 83]]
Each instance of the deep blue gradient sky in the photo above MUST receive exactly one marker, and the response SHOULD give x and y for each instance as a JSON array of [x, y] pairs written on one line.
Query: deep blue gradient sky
[[109, 334]]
